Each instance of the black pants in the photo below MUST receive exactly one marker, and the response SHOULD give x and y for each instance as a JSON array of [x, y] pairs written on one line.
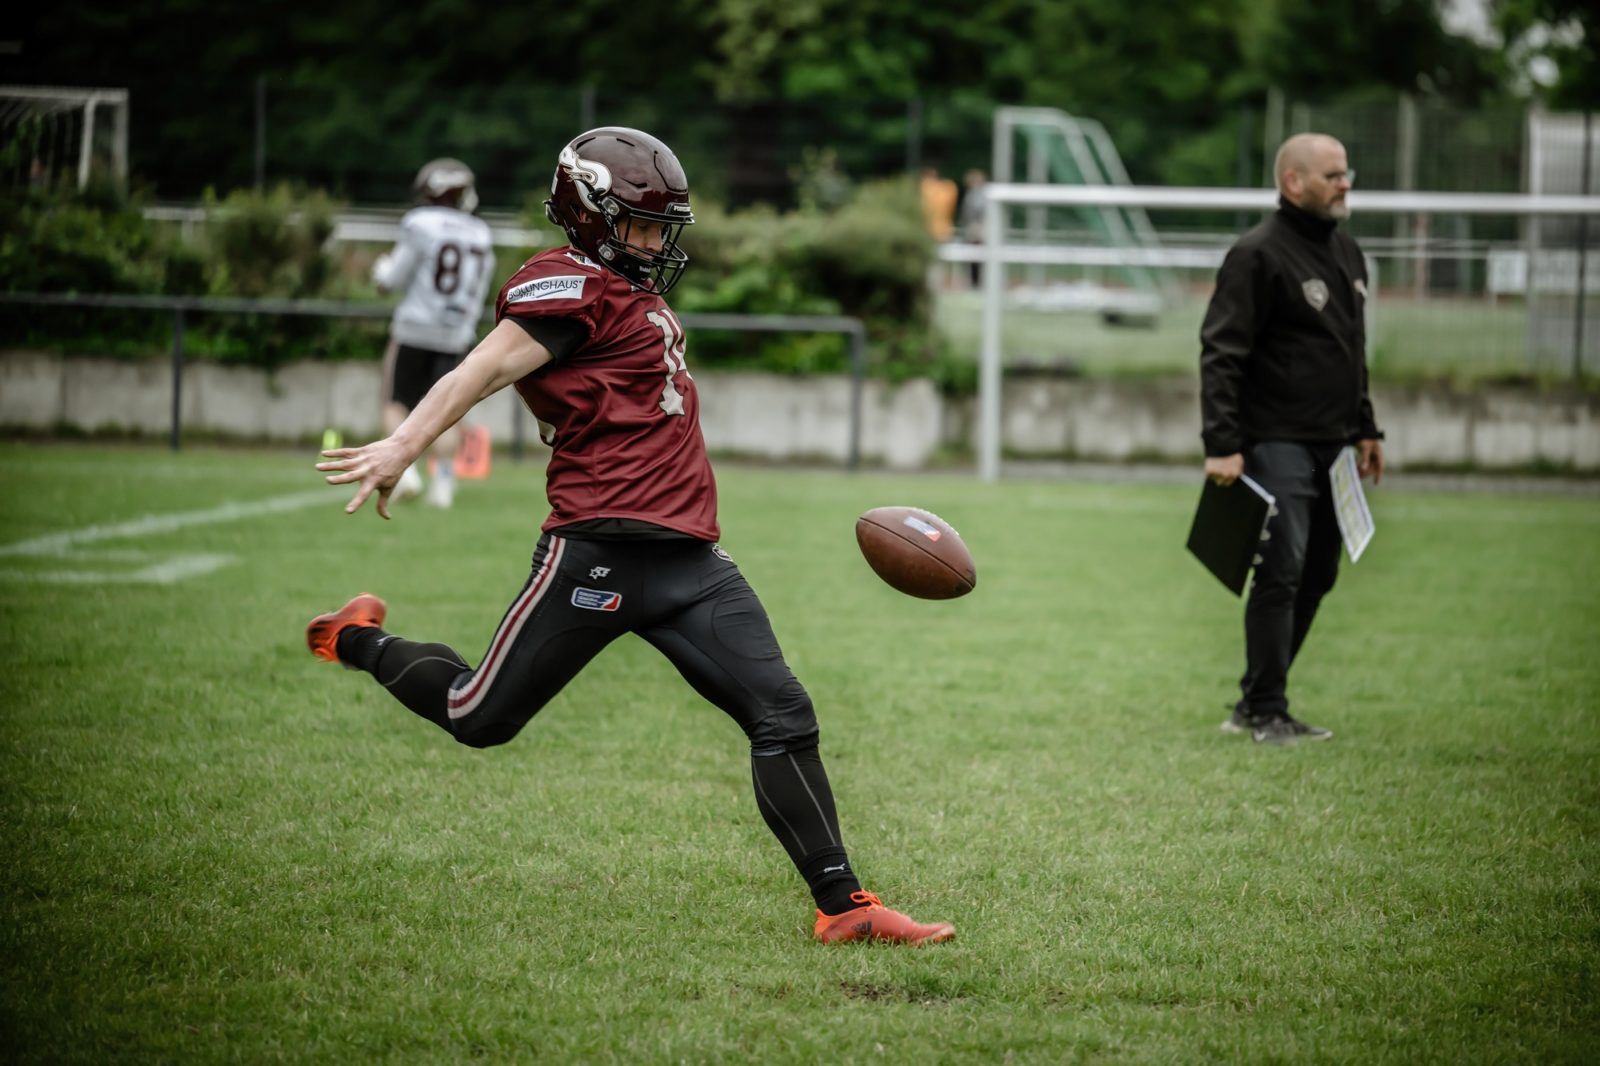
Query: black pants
[[685, 597], [1299, 563]]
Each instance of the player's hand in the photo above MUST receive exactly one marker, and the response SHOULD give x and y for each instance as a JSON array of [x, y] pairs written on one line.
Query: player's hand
[[377, 466], [1369, 459], [1225, 469]]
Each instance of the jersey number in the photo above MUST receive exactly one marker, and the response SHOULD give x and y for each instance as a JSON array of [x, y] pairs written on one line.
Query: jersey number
[[447, 268], [672, 342]]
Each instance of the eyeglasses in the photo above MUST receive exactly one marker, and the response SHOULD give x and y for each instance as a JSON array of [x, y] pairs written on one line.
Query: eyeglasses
[[1347, 176]]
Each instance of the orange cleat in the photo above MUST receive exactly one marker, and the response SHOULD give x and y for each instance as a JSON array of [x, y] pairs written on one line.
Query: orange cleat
[[873, 921], [322, 635]]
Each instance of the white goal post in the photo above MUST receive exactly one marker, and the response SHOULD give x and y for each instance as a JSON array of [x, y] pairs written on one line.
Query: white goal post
[[65, 108], [996, 253]]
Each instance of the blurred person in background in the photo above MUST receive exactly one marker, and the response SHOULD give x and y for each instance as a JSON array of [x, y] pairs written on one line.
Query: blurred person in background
[[939, 196], [1283, 389], [974, 198], [443, 263], [630, 545]]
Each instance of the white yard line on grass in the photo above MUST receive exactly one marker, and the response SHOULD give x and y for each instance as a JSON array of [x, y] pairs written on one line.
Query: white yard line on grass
[[167, 572], [55, 543], [165, 569]]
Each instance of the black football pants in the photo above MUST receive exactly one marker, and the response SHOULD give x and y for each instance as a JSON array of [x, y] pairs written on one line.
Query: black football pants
[[685, 597], [689, 600], [1299, 563]]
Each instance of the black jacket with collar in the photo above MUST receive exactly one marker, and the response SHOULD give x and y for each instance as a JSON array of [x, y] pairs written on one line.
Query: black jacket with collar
[[1283, 345]]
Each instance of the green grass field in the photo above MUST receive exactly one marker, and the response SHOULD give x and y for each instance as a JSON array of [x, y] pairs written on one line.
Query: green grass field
[[219, 849]]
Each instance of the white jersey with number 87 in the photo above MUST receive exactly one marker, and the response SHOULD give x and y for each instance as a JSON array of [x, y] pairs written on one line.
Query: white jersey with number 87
[[443, 260]]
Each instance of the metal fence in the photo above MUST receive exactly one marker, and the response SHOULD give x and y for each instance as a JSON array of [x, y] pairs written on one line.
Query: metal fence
[[1007, 205], [181, 307]]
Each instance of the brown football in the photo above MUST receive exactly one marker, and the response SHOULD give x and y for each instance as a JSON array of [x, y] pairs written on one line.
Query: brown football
[[916, 552]]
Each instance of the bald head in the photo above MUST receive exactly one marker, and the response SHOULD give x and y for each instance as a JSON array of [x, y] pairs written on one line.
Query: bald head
[[1314, 175]]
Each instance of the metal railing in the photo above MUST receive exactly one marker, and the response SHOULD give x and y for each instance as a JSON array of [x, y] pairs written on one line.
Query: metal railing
[[181, 306], [376, 225], [999, 250]]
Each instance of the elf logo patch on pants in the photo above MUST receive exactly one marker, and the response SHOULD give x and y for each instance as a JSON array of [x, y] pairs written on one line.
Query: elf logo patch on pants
[[596, 599]]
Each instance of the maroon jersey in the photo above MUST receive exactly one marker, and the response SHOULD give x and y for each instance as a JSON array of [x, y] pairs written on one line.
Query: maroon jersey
[[620, 413]]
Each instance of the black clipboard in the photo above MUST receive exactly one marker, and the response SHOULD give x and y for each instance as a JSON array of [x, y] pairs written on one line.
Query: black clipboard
[[1229, 525]]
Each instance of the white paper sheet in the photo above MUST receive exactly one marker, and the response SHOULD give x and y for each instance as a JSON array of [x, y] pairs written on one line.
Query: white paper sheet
[[1350, 504]]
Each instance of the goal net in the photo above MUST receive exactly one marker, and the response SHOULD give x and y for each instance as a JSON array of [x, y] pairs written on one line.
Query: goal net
[[51, 136]]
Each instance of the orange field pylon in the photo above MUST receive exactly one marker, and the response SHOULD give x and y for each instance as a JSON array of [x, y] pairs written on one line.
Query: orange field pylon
[[472, 458]]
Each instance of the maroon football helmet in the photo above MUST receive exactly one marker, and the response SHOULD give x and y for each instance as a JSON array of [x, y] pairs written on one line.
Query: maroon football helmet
[[604, 180]]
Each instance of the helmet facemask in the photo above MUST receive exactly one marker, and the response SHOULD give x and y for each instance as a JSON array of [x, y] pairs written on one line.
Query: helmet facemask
[[661, 268]]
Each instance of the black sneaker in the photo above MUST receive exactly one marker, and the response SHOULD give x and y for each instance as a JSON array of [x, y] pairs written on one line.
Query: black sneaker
[[1287, 730], [1307, 731], [1277, 730], [1239, 723]]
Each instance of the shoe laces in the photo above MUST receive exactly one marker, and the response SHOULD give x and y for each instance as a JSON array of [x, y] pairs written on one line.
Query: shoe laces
[[865, 899]]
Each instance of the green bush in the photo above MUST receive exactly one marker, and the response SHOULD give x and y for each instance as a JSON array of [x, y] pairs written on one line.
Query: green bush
[[275, 245], [860, 251], [269, 244], [867, 258], [871, 255], [59, 240]]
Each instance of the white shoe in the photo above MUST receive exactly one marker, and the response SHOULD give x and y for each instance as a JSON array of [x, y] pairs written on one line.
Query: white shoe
[[442, 493], [409, 485]]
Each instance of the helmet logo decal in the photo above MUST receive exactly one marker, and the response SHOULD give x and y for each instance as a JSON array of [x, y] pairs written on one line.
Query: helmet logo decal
[[590, 177]]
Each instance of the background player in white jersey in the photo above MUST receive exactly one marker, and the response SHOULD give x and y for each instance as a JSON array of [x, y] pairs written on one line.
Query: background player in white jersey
[[443, 262]]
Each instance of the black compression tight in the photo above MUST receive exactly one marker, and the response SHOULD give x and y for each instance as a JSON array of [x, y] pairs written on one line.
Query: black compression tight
[[793, 794]]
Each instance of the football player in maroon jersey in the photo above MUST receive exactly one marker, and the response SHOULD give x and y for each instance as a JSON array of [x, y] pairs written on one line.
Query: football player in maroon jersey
[[584, 334]]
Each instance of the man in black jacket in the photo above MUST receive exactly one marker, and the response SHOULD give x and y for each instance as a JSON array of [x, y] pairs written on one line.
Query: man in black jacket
[[1283, 388]]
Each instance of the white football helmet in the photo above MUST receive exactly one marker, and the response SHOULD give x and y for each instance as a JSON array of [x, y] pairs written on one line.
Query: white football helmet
[[448, 182]]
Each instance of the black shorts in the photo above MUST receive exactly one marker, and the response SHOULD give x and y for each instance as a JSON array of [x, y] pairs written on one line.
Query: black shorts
[[687, 598], [416, 370]]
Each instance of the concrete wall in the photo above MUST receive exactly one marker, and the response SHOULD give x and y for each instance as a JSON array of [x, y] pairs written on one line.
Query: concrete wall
[[778, 417]]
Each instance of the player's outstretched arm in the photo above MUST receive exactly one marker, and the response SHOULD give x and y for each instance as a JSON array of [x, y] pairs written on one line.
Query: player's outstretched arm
[[506, 355]]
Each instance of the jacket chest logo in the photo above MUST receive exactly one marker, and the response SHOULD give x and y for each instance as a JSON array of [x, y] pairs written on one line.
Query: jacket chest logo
[[1316, 291]]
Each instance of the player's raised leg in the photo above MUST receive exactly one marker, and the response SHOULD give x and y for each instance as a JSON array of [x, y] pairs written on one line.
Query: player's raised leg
[[366, 611], [418, 675], [538, 647]]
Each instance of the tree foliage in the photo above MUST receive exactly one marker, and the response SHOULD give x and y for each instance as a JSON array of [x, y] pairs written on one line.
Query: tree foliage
[[1566, 34], [1320, 48], [364, 91]]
